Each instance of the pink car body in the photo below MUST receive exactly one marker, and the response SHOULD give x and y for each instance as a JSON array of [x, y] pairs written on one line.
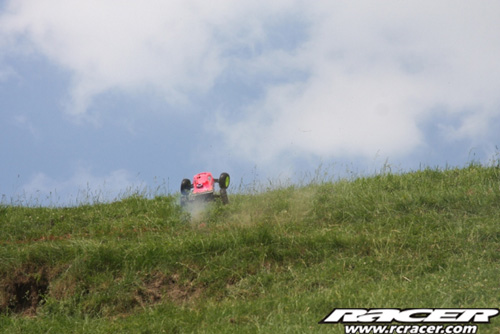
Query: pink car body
[[203, 182]]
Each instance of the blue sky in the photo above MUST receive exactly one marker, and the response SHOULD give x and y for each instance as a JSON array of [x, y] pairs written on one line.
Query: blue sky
[[102, 97]]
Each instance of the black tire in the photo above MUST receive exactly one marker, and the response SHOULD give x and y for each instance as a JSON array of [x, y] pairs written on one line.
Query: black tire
[[186, 186], [223, 196], [224, 180]]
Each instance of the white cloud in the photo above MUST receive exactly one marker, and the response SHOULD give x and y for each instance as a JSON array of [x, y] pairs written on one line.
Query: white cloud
[[110, 44], [369, 73], [376, 72], [170, 46]]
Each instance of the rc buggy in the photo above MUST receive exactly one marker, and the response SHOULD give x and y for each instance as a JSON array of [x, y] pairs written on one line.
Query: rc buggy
[[202, 188]]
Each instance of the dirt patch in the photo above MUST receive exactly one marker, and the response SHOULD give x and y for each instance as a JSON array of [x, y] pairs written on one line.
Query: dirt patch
[[23, 290], [180, 292], [159, 286]]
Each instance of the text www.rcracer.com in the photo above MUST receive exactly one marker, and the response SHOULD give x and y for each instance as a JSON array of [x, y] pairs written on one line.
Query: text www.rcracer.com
[[410, 329]]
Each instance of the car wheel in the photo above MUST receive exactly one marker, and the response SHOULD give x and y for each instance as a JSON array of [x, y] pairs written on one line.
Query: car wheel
[[186, 186], [224, 181]]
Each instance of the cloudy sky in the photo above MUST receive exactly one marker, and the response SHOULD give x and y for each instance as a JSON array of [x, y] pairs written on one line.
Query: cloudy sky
[[99, 97]]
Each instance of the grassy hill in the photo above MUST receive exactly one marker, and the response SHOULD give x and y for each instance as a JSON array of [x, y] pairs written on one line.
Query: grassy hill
[[276, 261]]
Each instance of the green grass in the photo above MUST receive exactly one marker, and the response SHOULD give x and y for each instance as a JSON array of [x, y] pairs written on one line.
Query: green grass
[[275, 261]]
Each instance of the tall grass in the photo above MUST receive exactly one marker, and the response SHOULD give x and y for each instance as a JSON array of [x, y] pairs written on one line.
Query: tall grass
[[272, 261]]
